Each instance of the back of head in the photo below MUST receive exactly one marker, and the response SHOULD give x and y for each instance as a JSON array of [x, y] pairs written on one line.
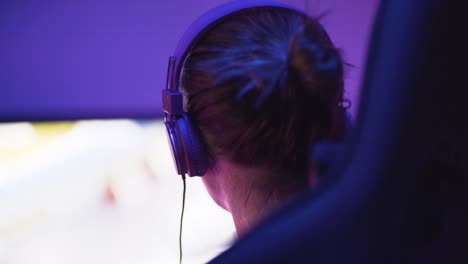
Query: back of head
[[262, 86]]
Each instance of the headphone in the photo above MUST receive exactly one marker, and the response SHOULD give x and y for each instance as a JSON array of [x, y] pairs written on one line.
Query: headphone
[[187, 148]]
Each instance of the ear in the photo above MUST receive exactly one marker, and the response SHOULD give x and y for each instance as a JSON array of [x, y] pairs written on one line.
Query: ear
[[324, 152]]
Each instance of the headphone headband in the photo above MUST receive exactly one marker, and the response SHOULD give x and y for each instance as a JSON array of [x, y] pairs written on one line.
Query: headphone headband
[[205, 23]]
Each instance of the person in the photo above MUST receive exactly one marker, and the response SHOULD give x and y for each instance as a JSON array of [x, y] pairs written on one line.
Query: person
[[261, 87]]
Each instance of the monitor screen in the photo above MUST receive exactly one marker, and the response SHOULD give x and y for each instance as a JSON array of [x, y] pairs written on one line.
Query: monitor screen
[[96, 191]]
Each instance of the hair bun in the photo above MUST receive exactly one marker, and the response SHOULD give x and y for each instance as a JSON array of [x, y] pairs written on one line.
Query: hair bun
[[313, 60]]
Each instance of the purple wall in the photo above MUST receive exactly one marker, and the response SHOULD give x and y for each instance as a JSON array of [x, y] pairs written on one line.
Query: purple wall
[[103, 58]]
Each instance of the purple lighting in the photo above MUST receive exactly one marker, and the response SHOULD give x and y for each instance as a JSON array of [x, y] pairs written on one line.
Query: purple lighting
[[107, 59]]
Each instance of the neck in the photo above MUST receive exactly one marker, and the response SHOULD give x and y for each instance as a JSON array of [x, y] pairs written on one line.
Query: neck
[[251, 197], [256, 205]]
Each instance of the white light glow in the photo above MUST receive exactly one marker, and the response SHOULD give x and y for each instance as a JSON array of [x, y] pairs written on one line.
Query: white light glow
[[103, 192]]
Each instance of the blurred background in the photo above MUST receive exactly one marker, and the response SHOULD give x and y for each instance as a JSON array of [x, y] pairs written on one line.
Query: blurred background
[[85, 170], [100, 192]]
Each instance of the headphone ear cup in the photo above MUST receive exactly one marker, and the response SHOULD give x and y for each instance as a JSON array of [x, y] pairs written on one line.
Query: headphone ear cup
[[195, 155], [177, 149]]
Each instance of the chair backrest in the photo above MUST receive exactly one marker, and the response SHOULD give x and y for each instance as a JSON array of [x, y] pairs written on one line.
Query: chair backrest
[[400, 193]]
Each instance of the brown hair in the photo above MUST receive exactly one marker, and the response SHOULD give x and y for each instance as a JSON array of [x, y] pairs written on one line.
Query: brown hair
[[262, 86]]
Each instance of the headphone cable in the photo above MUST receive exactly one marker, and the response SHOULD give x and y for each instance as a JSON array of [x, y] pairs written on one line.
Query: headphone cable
[[182, 219]]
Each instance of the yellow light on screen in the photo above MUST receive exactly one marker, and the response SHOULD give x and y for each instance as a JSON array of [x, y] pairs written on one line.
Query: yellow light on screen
[[21, 139]]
